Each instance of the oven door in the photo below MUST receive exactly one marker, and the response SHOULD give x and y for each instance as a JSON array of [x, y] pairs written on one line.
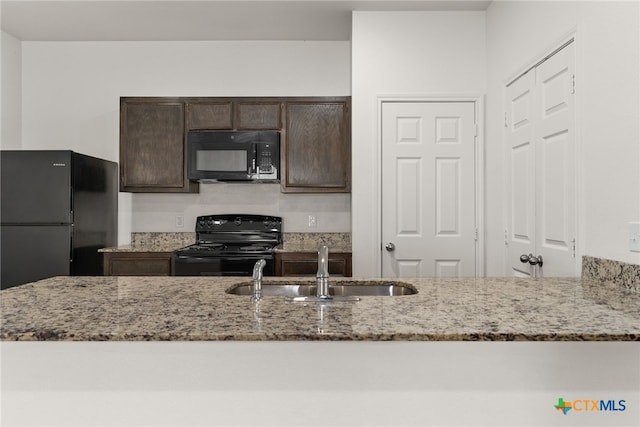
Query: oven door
[[189, 265]]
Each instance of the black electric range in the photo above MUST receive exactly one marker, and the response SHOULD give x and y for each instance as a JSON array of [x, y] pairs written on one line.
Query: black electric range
[[230, 245]]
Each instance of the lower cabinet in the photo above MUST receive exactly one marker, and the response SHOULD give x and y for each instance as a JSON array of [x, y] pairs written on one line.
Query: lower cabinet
[[160, 264], [138, 264], [306, 264]]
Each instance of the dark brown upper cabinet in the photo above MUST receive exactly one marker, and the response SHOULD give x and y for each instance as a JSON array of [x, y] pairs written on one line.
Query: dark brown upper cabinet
[[152, 146], [210, 115], [234, 113], [255, 115], [316, 147]]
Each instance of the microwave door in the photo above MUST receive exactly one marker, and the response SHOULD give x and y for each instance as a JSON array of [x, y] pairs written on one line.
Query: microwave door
[[233, 155], [222, 161]]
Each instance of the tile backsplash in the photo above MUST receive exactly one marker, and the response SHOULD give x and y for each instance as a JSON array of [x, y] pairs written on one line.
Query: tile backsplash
[[621, 273], [168, 241], [294, 242], [311, 242]]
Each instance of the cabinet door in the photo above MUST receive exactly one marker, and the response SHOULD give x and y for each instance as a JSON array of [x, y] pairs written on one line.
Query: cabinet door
[[210, 115], [152, 147], [258, 115], [138, 264], [306, 264], [317, 146]]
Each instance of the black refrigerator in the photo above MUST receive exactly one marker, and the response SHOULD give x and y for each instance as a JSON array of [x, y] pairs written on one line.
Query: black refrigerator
[[57, 208]]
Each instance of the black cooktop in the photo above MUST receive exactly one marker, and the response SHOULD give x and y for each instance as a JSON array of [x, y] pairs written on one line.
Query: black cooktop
[[235, 234]]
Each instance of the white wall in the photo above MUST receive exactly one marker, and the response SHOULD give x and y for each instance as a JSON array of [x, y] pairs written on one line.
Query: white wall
[[403, 54], [155, 212], [444, 53], [71, 94], [11, 90], [607, 99], [71, 90]]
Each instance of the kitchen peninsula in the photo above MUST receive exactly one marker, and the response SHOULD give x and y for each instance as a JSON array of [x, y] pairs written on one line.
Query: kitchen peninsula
[[183, 351]]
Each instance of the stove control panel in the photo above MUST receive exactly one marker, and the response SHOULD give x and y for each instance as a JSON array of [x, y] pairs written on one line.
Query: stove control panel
[[245, 223]]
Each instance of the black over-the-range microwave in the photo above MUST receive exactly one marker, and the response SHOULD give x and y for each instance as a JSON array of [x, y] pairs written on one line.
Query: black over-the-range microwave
[[233, 156]]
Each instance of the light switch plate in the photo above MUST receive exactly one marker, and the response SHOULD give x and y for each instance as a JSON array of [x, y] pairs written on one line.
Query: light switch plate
[[179, 221], [634, 236]]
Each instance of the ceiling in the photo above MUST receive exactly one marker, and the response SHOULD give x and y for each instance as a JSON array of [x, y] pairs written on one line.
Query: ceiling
[[188, 20]]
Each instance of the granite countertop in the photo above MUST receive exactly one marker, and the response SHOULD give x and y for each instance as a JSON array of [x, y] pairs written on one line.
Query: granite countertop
[[197, 308], [291, 242]]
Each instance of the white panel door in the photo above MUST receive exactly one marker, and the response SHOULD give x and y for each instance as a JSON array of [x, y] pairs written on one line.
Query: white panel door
[[540, 137], [521, 162], [428, 189], [555, 174]]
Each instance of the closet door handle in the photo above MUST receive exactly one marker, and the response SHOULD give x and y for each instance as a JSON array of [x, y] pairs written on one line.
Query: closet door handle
[[533, 260]]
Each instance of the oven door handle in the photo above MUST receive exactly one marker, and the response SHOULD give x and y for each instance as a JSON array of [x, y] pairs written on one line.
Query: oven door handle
[[186, 259], [189, 259]]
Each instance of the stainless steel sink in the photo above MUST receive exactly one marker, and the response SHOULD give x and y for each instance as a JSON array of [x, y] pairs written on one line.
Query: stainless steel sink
[[275, 289], [372, 289], [339, 288]]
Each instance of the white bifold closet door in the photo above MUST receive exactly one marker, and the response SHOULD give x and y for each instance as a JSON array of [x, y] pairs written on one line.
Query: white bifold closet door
[[541, 181]]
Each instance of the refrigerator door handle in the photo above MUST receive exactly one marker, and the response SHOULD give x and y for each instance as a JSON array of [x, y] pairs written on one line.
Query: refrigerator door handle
[[71, 248]]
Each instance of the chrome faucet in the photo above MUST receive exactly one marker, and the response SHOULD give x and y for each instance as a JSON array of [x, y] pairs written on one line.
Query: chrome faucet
[[322, 277], [257, 280], [322, 287]]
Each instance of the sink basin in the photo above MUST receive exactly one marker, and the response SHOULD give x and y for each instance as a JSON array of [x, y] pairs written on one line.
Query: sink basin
[[339, 289], [275, 290], [372, 290]]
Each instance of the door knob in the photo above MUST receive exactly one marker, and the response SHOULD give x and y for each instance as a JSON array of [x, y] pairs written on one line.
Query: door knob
[[390, 247], [533, 260]]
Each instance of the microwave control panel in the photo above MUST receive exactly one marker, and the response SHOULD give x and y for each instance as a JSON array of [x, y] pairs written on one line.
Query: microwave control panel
[[265, 165]]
